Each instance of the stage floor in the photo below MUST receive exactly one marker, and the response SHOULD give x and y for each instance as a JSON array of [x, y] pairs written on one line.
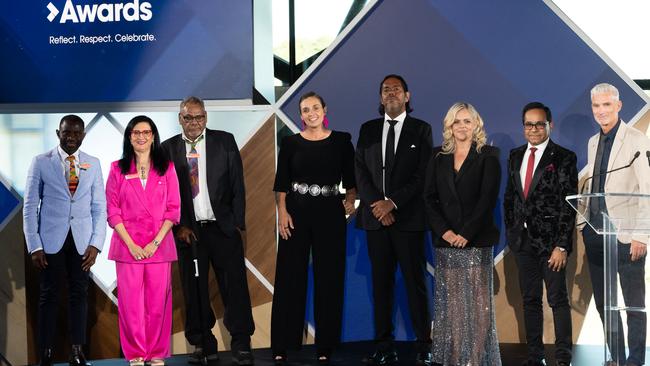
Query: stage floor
[[352, 353]]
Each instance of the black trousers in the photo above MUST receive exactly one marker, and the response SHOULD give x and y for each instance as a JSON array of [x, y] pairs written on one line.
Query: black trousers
[[533, 273], [66, 263], [226, 255], [632, 281], [319, 230], [388, 247]]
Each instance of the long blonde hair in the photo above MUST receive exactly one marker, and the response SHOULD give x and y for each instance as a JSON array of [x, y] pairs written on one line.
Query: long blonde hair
[[479, 137]]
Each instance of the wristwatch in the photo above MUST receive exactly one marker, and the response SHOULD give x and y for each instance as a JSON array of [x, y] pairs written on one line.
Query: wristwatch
[[560, 248], [156, 242]]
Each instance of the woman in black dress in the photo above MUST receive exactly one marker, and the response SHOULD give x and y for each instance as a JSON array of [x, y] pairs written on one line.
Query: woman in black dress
[[311, 218]]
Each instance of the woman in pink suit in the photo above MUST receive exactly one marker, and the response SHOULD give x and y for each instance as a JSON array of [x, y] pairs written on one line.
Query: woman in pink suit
[[143, 204]]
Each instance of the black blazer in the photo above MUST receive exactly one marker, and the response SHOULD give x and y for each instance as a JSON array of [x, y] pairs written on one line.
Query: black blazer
[[225, 180], [406, 179], [549, 218], [464, 202]]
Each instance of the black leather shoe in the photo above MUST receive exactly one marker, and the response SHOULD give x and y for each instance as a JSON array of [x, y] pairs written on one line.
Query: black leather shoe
[[196, 357], [381, 358], [563, 363], [242, 358], [77, 357], [424, 359], [46, 357], [199, 358]]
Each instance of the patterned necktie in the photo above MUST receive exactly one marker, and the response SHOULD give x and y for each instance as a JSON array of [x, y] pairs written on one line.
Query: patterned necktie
[[193, 162], [529, 171], [73, 179]]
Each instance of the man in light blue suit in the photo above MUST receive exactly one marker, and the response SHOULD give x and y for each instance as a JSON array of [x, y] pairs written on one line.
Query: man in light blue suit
[[64, 220]]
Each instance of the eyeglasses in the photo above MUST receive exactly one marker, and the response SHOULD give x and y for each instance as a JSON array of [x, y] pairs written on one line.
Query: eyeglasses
[[535, 125], [143, 133], [198, 118], [395, 89]]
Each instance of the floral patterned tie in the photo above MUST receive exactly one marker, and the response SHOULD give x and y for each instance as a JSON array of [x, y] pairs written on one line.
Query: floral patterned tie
[[73, 179]]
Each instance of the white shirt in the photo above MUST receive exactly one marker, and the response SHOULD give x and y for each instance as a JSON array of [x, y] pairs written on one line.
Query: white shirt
[[524, 163], [65, 164], [384, 135], [202, 207]]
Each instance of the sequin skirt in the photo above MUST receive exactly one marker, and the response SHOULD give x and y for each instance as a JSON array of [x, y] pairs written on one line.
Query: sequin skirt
[[464, 329]]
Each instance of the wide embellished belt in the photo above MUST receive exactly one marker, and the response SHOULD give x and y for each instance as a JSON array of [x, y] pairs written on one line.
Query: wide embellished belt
[[315, 189]]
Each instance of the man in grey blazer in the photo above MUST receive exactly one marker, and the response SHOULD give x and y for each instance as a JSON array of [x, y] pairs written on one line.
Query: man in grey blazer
[[615, 146], [64, 220]]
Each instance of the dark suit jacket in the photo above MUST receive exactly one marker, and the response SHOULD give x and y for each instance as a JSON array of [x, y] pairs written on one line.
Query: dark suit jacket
[[464, 202], [225, 180], [406, 179], [550, 219]]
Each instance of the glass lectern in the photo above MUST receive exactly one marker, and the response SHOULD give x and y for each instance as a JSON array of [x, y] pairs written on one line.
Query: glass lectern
[[617, 217]]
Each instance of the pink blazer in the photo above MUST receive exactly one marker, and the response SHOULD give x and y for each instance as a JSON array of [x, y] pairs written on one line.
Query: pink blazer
[[142, 211]]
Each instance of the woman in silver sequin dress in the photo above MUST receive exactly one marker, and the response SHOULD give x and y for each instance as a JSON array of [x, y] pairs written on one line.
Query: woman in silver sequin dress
[[461, 189]]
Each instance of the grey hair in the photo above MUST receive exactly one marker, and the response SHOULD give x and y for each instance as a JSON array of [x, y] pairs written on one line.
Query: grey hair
[[605, 88], [193, 100]]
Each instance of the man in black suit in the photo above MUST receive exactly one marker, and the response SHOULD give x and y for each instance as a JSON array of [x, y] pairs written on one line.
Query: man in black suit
[[539, 229], [390, 162], [211, 181]]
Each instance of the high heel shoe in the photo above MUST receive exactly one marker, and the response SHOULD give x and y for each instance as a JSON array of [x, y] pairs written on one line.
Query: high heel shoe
[[323, 356], [280, 359], [157, 362], [139, 361], [323, 360]]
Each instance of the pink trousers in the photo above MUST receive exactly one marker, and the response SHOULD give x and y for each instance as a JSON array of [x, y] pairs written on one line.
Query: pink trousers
[[144, 295]]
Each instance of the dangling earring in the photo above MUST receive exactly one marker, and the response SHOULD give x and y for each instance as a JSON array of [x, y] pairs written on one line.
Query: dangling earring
[[326, 122]]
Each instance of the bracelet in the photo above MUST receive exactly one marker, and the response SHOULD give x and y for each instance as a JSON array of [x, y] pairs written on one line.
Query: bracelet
[[156, 242]]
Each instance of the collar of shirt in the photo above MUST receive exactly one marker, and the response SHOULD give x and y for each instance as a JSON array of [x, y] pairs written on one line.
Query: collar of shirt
[[540, 148], [612, 133], [400, 119], [64, 155], [198, 139]]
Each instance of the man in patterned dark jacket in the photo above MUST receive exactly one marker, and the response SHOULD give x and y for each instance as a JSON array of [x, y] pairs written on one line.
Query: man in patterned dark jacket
[[539, 229]]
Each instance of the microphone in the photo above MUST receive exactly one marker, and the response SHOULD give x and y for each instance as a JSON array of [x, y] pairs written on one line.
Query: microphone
[[636, 155], [647, 155]]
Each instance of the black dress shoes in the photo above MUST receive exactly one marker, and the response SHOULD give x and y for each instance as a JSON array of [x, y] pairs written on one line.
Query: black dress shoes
[[199, 358], [424, 359], [77, 357], [563, 363], [381, 358], [242, 358], [46, 357]]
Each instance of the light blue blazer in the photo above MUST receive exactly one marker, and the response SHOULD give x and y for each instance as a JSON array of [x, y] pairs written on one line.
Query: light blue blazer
[[49, 211]]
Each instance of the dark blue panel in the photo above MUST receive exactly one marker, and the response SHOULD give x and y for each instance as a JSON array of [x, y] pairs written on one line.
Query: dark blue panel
[[201, 47], [8, 202]]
